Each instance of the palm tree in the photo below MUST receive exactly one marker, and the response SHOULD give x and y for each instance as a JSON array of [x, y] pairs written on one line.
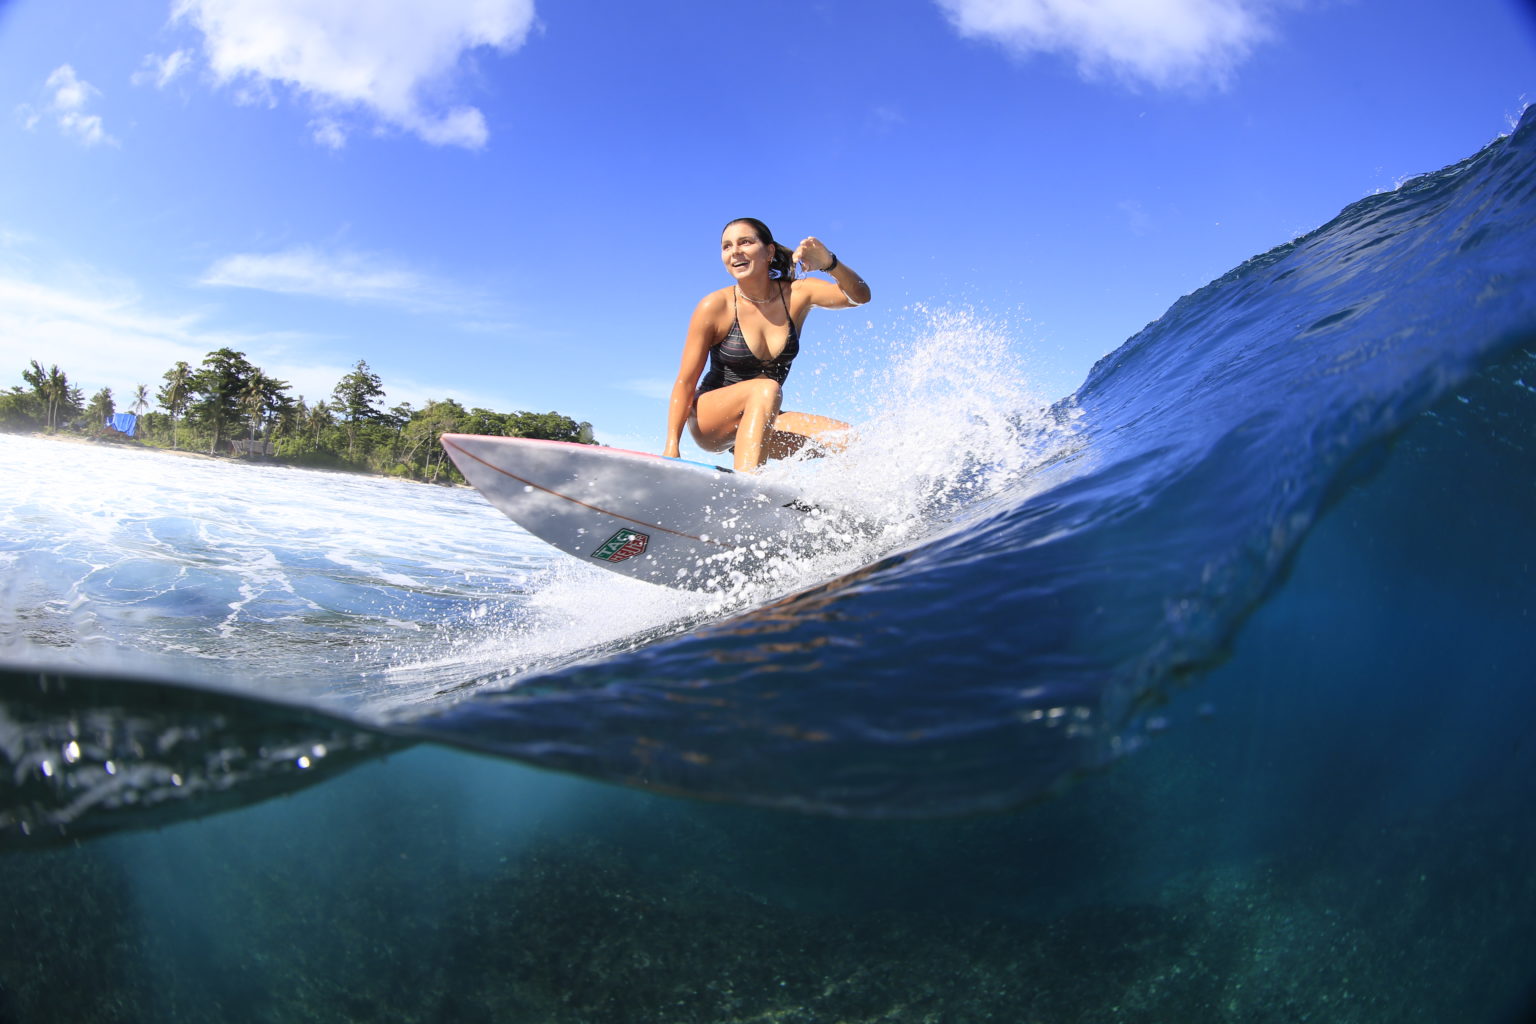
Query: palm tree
[[101, 410], [253, 401], [318, 419], [52, 386], [290, 417], [263, 399], [173, 397], [140, 399]]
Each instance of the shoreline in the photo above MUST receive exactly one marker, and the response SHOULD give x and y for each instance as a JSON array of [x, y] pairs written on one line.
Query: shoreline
[[133, 444]]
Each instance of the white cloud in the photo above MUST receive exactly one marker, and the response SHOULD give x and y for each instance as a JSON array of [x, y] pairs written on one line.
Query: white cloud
[[102, 332], [394, 60], [329, 133], [344, 276], [161, 71], [70, 95], [1163, 43], [101, 337]]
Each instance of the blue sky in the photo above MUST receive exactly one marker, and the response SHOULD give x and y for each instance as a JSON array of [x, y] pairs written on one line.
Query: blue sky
[[517, 204]]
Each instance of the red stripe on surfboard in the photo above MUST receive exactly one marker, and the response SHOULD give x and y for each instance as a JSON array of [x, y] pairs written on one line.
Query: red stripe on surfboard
[[578, 501]]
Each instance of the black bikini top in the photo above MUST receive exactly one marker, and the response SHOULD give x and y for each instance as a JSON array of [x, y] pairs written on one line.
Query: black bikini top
[[732, 361]]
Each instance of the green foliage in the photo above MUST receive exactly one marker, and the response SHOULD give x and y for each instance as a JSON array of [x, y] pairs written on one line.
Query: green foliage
[[216, 393], [229, 406], [60, 402], [354, 395], [20, 411], [174, 395], [548, 425], [101, 409]]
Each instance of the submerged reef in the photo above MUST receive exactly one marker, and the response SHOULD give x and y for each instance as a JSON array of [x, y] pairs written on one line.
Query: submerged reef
[[677, 913]]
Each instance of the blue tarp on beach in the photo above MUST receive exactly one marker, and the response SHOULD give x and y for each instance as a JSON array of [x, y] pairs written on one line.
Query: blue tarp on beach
[[124, 423]]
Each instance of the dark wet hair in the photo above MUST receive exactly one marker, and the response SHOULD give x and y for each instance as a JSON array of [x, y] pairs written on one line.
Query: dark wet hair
[[783, 263]]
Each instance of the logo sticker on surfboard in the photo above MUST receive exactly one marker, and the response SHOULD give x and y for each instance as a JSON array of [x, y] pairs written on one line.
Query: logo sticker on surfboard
[[624, 544]]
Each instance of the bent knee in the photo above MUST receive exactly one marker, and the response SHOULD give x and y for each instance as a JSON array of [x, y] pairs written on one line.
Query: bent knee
[[764, 391]]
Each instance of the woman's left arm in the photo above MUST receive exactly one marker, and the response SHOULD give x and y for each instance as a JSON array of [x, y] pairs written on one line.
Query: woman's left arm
[[850, 289]]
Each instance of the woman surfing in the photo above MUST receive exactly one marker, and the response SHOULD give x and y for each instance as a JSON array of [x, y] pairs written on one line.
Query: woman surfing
[[749, 333]]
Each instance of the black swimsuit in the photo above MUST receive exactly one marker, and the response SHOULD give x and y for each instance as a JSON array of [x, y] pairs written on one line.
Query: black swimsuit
[[732, 361]]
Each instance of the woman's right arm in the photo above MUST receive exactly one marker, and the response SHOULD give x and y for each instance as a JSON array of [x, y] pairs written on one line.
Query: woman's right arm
[[696, 348]]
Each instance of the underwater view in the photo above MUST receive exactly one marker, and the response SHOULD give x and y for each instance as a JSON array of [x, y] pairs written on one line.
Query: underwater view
[[1201, 694]]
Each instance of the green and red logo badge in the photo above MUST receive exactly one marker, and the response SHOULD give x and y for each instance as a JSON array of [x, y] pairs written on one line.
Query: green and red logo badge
[[624, 544]]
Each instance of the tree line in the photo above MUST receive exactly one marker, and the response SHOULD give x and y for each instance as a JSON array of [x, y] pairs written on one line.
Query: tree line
[[227, 406]]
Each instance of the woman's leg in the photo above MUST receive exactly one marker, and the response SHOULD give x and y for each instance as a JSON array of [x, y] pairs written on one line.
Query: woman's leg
[[792, 431], [824, 430], [740, 414], [747, 415]]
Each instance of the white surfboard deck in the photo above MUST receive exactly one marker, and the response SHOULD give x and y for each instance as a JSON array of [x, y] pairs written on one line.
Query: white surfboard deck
[[669, 521]]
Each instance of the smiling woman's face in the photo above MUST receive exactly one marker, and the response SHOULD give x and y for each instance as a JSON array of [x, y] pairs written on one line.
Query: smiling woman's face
[[742, 251]]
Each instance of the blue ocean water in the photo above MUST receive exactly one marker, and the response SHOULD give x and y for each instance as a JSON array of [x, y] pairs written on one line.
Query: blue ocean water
[[1202, 694]]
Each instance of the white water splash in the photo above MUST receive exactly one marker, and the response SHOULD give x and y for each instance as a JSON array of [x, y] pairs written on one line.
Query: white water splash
[[950, 424], [381, 595]]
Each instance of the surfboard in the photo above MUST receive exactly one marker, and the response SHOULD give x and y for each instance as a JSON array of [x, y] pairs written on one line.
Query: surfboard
[[673, 522]]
